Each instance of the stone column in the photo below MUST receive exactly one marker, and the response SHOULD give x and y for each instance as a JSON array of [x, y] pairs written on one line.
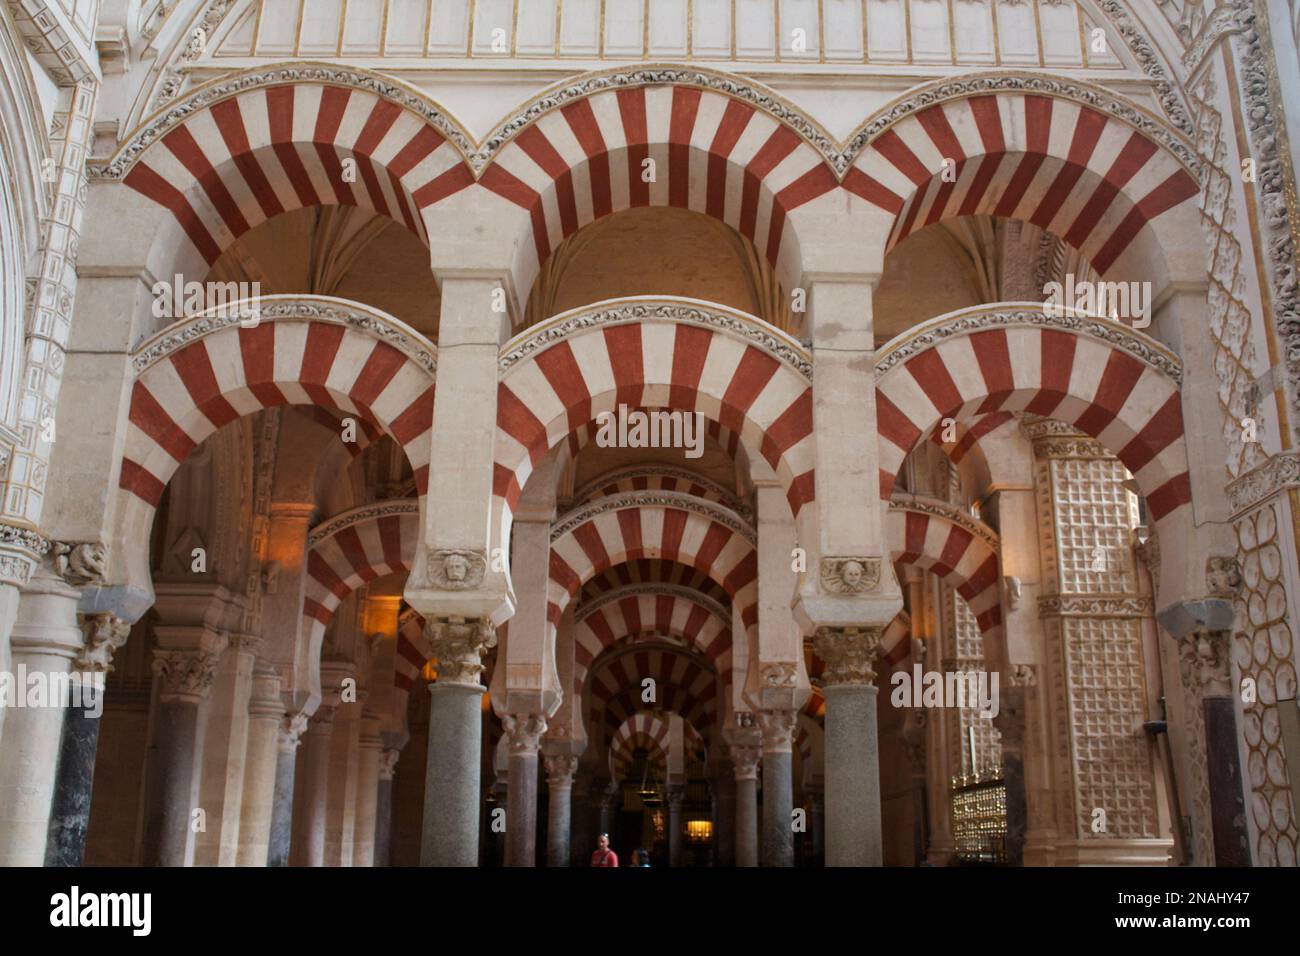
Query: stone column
[[341, 786], [913, 737], [676, 798], [817, 825], [265, 711], [70, 812], [559, 781], [852, 745], [183, 679], [384, 808], [778, 786], [280, 838], [1010, 724], [525, 734], [746, 758], [606, 811], [45, 642], [371, 746], [724, 814], [451, 795], [311, 794], [21, 550]]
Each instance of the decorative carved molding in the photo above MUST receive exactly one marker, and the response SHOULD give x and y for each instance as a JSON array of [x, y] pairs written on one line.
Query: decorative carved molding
[[1203, 659], [451, 569], [80, 564], [348, 519], [779, 674], [282, 308], [849, 575], [650, 499], [727, 498], [1278, 473], [458, 645], [1223, 577], [941, 509], [105, 635], [1166, 90], [1222, 22], [849, 654], [654, 589], [164, 121], [1009, 315], [524, 732], [1086, 448], [185, 675], [739, 325], [1120, 605], [173, 78], [25, 539]]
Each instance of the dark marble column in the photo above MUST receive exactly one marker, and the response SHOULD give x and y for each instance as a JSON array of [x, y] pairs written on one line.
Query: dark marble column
[[1010, 724], [778, 786], [75, 777], [676, 798], [746, 760], [724, 814], [817, 826], [559, 822], [384, 808], [525, 733], [286, 765]]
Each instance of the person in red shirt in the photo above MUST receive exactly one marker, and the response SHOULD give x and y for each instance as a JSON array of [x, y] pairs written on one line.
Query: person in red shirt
[[604, 856]]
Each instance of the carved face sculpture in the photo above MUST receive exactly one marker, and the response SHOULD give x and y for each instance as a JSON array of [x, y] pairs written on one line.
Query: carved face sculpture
[[852, 572], [456, 567]]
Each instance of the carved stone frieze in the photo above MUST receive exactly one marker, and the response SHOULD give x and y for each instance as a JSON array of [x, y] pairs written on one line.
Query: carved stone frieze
[[651, 499], [1278, 473], [1069, 605], [332, 526]]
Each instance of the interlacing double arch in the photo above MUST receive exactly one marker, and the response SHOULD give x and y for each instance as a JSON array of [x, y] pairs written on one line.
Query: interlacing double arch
[[651, 733]]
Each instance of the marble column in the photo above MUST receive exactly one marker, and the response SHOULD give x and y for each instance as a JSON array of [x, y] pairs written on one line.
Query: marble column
[[183, 679], [280, 838], [20, 552], [384, 807], [852, 745], [817, 825], [559, 819], [451, 793], [913, 736], [70, 813], [261, 761], [724, 814], [341, 781], [367, 816], [676, 800], [1010, 724], [778, 786], [524, 732], [45, 642], [746, 758], [606, 812], [311, 790]]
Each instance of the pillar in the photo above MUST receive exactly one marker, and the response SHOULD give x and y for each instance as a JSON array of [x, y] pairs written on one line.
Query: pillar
[[525, 733], [724, 814], [280, 838], [1010, 724], [45, 642], [817, 825], [559, 781], [778, 786], [370, 748], [746, 757], [852, 745], [341, 785], [311, 790], [261, 761], [451, 793], [70, 812], [384, 807]]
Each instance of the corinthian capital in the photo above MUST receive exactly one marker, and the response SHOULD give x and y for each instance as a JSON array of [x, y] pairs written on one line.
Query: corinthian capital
[[525, 732], [849, 654], [185, 675], [746, 758], [105, 635], [290, 733], [778, 730], [560, 768], [388, 763], [458, 645]]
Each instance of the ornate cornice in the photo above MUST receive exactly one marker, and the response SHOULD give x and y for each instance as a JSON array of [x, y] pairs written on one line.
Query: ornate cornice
[[348, 519], [941, 509], [1069, 448], [1027, 314], [653, 499], [657, 74], [1222, 22], [163, 121], [1040, 84], [726, 497], [1166, 90], [718, 318], [1072, 605], [652, 589], [1278, 473], [282, 308]]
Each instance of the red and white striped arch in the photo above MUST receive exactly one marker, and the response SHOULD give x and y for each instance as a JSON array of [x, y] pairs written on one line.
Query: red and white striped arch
[[683, 685], [653, 352], [224, 162], [669, 526], [413, 652], [647, 731], [711, 154], [1107, 381], [1086, 176], [658, 478], [967, 435], [958, 550], [632, 611], [353, 549], [896, 643], [653, 571], [191, 381]]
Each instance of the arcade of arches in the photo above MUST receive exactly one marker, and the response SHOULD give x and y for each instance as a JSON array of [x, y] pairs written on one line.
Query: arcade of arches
[[650, 419]]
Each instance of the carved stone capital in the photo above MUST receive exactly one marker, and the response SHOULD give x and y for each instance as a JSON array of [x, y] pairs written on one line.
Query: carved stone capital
[[1223, 577], [849, 575], [456, 570], [560, 769], [289, 736], [185, 675], [1205, 664], [746, 759], [388, 763], [20, 551], [79, 563], [779, 674], [849, 654], [458, 645], [524, 732], [778, 730], [105, 635]]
